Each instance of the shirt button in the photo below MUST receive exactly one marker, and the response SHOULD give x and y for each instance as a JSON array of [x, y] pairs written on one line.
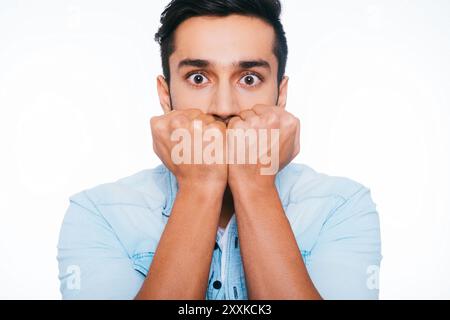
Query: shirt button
[[217, 284], [216, 246]]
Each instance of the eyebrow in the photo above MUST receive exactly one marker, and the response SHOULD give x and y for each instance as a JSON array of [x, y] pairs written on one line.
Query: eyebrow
[[246, 64], [254, 63], [198, 63]]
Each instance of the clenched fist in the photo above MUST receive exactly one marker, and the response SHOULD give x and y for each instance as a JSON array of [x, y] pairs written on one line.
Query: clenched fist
[[256, 144], [189, 126], [281, 130]]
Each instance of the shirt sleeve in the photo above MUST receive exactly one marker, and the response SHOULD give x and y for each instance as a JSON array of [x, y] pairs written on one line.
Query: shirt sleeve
[[344, 262], [92, 262]]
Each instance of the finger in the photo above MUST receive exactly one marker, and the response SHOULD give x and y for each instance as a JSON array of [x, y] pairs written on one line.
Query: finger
[[193, 113], [261, 109], [206, 118], [201, 121], [247, 115], [157, 123], [216, 125], [234, 122]]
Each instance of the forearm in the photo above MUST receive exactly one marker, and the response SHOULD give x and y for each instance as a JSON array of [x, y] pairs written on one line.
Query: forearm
[[181, 264], [273, 264]]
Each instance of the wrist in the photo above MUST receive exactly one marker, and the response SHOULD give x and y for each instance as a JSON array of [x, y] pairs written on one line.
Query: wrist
[[242, 180], [252, 186], [248, 196], [197, 186]]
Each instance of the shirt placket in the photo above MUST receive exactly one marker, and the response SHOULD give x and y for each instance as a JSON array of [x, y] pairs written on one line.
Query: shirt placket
[[235, 280]]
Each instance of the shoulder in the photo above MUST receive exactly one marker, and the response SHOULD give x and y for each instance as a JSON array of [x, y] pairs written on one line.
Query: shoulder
[[147, 188], [315, 202], [131, 210], [298, 182]]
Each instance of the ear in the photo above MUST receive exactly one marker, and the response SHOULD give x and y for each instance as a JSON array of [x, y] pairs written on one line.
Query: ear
[[282, 92], [164, 94]]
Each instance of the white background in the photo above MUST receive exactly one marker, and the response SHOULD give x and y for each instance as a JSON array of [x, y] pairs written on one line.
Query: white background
[[370, 81]]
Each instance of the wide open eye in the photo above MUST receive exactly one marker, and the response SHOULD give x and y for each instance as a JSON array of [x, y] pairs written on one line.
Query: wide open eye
[[250, 80], [197, 79]]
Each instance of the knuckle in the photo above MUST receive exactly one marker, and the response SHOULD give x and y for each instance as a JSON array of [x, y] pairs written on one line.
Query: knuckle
[[220, 125], [179, 121], [259, 107], [156, 123], [289, 119], [193, 112], [154, 120], [272, 118], [294, 122], [233, 121], [208, 118], [246, 112]]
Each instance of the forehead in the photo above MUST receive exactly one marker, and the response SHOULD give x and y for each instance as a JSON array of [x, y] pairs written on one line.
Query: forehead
[[224, 39]]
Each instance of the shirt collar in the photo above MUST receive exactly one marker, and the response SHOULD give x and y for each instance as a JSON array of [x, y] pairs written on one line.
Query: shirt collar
[[172, 189]]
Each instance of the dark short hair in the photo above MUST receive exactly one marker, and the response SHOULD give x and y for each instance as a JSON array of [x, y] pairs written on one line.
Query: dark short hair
[[178, 11]]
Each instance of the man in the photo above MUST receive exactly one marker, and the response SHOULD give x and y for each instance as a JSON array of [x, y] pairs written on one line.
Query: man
[[222, 229]]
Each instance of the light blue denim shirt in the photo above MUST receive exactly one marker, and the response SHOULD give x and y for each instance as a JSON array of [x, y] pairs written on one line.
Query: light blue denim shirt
[[110, 234]]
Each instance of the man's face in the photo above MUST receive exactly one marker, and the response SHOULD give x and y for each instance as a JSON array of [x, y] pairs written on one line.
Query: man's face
[[222, 65]]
